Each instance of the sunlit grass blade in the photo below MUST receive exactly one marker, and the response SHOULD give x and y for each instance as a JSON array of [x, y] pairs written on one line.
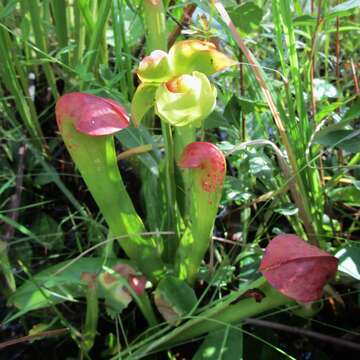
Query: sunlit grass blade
[[96, 36], [39, 34], [297, 186], [6, 267], [299, 123], [79, 32], [122, 52], [59, 10], [9, 77]]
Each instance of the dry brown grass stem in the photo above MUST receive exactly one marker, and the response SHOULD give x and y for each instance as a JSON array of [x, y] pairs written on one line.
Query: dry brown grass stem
[[296, 187]]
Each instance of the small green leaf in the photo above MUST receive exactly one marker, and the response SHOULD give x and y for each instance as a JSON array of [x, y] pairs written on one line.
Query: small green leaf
[[133, 137], [83, 74], [249, 105], [232, 111], [8, 9], [56, 287], [349, 195], [237, 104], [246, 17], [287, 210], [5, 266], [356, 183], [216, 119], [142, 102], [339, 134], [348, 140], [38, 328], [352, 113], [327, 110], [224, 344], [349, 261], [48, 231], [174, 298], [260, 166], [304, 20], [343, 9], [249, 262]]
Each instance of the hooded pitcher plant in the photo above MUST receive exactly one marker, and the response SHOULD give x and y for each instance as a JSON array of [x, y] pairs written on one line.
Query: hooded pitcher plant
[[87, 124], [207, 167], [296, 269], [176, 84]]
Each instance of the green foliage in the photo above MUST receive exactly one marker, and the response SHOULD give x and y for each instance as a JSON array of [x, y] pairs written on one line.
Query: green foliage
[[341, 134], [349, 195], [56, 284], [6, 266], [48, 232], [343, 139], [246, 17], [349, 260], [309, 68], [224, 344], [174, 299], [345, 8]]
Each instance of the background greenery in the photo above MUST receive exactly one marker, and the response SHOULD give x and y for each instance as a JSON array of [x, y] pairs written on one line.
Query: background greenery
[[307, 55]]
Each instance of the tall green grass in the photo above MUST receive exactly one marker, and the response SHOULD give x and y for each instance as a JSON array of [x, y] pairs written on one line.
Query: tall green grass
[[94, 45]]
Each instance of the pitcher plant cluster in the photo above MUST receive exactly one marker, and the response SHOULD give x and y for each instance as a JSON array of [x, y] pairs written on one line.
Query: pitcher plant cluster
[[175, 85]]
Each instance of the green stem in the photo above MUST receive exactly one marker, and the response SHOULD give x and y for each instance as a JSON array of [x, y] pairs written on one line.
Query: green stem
[[122, 51], [92, 316], [61, 26], [117, 23], [79, 35], [96, 36], [195, 241], [127, 54], [108, 249], [5, 266], [354, 160], [228, 310], [169, 177], [85, 9], [25, 38], [9, 77], [35, 15], [154, 16], [145, 307], [104, 58], [245, 308], [184, 135]]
